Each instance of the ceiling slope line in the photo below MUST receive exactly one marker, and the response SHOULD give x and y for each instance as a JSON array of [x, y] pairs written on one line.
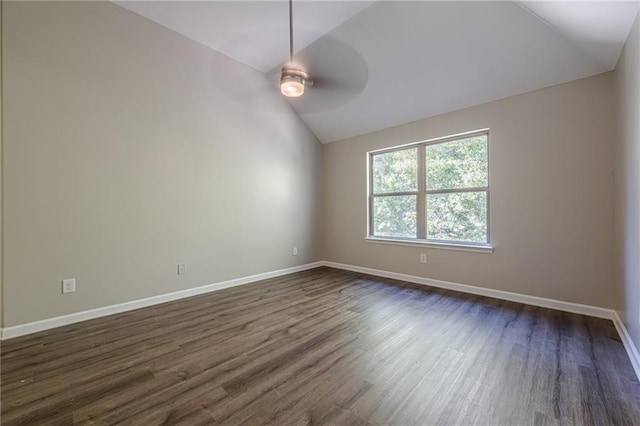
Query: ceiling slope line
[[560, 33]]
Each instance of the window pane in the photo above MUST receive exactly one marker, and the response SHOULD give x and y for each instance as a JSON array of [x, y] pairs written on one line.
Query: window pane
[[395, 216], [395, 171], [458, 216], [457, 164]]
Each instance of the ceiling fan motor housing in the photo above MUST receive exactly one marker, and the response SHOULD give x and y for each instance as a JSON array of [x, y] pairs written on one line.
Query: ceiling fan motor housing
[[293, 81]]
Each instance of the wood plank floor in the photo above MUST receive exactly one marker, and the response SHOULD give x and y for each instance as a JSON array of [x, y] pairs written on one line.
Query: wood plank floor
[[324, 347]]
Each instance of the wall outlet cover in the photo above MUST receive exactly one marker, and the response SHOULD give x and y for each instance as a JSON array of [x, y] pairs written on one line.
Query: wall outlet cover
[[68, 285]]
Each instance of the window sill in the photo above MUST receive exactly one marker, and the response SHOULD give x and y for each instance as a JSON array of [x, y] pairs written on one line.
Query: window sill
[[445, 246]]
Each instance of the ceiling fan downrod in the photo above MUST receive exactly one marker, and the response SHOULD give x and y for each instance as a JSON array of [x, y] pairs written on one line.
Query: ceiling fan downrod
[[292, 79]]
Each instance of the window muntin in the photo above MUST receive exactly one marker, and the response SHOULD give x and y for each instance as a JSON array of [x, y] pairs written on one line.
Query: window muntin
[[442, 198]]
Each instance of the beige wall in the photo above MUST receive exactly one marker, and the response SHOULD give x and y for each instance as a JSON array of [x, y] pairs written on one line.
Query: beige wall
[[127, 150], [125, 153], [627, 183], [551, 164]]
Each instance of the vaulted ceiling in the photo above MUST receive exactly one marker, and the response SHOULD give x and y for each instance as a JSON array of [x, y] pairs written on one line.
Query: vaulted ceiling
[[382, 63]]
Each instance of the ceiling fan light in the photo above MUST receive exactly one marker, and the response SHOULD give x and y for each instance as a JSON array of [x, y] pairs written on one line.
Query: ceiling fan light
[[292, 86]]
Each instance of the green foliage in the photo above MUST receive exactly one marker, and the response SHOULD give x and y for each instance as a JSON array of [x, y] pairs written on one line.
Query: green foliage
[[395, 216], [450, 216], [457, 164], [395, 171], [458, 216]]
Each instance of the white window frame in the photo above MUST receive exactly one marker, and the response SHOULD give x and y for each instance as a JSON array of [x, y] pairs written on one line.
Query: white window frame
[[421, 197]]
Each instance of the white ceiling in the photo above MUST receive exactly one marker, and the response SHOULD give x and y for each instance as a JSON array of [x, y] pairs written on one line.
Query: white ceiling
[[255, 33], [380, 64], [600, 28]]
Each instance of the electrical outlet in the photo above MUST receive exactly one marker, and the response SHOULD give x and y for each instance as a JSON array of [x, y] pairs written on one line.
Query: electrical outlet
[[295, 251], [69, 285], [423, 257], [182, 269]]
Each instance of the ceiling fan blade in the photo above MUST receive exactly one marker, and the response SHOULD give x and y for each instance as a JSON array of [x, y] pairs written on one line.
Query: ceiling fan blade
[[340, 74], [241, 83]]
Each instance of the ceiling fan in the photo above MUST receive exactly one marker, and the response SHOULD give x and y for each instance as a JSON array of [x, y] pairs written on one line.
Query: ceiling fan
[[340, 74], [293, 80]]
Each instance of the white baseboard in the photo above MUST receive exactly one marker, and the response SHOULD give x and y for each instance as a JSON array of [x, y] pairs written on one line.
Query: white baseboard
[[34, 327], [576, 308], [629, 346], [594, 311], [542, 302]]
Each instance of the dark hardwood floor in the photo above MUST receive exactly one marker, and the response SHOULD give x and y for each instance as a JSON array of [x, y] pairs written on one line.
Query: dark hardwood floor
[[324, 347]]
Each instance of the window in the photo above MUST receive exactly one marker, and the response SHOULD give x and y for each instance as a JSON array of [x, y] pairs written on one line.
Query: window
[[435, 191]]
